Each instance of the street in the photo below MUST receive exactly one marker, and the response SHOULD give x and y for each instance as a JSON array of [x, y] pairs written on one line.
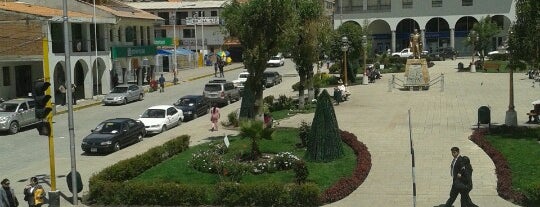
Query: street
[[29, 153]]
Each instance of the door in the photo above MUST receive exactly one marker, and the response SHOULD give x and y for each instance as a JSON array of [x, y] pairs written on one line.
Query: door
[[23, 112], [23, 85], [131, 96]]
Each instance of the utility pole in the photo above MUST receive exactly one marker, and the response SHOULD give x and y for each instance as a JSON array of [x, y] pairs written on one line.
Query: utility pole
[[69, 89]]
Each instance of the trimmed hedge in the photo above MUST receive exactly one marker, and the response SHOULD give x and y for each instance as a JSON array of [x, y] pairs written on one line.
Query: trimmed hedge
[[114, 184]]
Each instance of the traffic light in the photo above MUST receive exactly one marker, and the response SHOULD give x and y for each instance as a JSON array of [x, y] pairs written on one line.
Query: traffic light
[[44, 128], [42, 99]]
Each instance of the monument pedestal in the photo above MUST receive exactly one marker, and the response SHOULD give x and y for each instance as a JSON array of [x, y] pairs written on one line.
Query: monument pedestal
[[416, 74]]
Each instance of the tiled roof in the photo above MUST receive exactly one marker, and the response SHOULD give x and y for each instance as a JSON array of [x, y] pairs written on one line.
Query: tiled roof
[[38, 10], [177, 5], [121, 9]]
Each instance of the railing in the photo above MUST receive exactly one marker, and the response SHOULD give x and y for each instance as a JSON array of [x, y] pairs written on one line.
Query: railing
[[396, 81]]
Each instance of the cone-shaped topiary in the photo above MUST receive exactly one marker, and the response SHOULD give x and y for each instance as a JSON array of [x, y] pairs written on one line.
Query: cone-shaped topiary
[[324, 143]]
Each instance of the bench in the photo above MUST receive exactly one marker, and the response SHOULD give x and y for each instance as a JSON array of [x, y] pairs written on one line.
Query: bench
[[532, 115], [491, 66]]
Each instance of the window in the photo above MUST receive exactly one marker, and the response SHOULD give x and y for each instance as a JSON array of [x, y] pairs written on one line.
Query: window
[[436, 3], [160, 33], [188, 33], [466, 2], [165, 16], [6, 76], [213, 13], [407, 4]]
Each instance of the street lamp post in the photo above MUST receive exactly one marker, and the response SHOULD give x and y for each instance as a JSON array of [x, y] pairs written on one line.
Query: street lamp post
[[473, 38], [511, 114], [344, 48], [365, 79]]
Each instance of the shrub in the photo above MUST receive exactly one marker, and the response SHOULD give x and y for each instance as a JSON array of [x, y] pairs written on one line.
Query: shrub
[[233, 119], [269, 100], [502, 57], [335, 68], [284, 160], [303, 133], [300, 171]]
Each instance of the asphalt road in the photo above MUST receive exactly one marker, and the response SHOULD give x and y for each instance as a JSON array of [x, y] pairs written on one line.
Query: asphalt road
[[26, 154]]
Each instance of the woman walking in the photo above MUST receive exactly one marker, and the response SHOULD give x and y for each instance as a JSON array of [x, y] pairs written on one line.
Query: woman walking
[[214, 117]]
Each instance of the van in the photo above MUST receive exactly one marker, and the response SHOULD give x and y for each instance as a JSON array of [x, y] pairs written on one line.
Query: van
[[221, 92]]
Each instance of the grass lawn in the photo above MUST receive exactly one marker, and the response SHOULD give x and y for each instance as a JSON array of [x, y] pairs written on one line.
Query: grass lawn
[[284, 139], [523, 156]]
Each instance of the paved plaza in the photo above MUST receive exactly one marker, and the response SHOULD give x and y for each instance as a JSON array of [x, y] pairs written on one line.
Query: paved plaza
[[379, 118]]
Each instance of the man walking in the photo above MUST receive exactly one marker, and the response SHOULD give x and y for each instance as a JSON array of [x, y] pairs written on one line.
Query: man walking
[[455, 167], [161, 83]]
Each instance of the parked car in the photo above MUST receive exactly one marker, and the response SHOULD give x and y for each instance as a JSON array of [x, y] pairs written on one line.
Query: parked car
[[157, 119], [193, 106], [276, 61], [122, 94], [17, 113], [221, 92], [407, 53], [443, 54], [272, 78], [113, 134], [241, 80], [500, 50]]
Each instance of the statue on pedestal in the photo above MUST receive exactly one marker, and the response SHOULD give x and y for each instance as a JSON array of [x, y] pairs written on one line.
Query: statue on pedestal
[[416, 44]]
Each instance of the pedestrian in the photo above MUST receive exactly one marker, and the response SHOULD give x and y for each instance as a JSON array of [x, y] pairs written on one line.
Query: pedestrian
[[221, 63], [62, 94], [34, 193], [161, 81], [455, 167], [214, 117], [115, 80], [7, 195], [73, 87], [216, 67], [337, 95]]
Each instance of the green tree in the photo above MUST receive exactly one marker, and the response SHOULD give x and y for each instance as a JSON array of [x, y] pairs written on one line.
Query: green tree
[[324, 142], [305, 45], [354, 33], [255, 130], [261, 26], [525, 42], [485, 29]]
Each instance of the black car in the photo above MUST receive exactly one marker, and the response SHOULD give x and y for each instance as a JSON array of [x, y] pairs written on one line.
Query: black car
[[113, 134], [444, 53], [193, 106], [272, 78]]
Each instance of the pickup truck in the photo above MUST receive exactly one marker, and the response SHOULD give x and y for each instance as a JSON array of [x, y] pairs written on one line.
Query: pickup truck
[[406, 53]]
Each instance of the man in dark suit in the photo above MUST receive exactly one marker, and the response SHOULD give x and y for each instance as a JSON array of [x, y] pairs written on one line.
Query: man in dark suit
[[455, 167]]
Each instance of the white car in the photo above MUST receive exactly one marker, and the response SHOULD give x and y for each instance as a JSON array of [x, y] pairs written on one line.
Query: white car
[[242, 78], [276, 61], [157, 119]]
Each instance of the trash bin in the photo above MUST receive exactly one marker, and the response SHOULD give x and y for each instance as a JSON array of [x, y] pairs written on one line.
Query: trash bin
[[484, 115], [460, 66]]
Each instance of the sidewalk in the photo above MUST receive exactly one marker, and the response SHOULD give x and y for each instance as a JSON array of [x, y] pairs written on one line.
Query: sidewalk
[[184, 75]]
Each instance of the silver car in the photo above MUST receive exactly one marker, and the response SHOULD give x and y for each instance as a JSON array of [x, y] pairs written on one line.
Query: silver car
[[17, 113], [122, 94]]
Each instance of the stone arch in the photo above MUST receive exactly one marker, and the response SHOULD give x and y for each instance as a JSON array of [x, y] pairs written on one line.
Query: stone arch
[[59, 78], [504, 23], [404, 29], [381, 34], [463, 26], [97, 76], [437, 34], [80, 73]]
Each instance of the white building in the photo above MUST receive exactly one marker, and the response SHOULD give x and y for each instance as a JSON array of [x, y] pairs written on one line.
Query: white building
[[442, 23]]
